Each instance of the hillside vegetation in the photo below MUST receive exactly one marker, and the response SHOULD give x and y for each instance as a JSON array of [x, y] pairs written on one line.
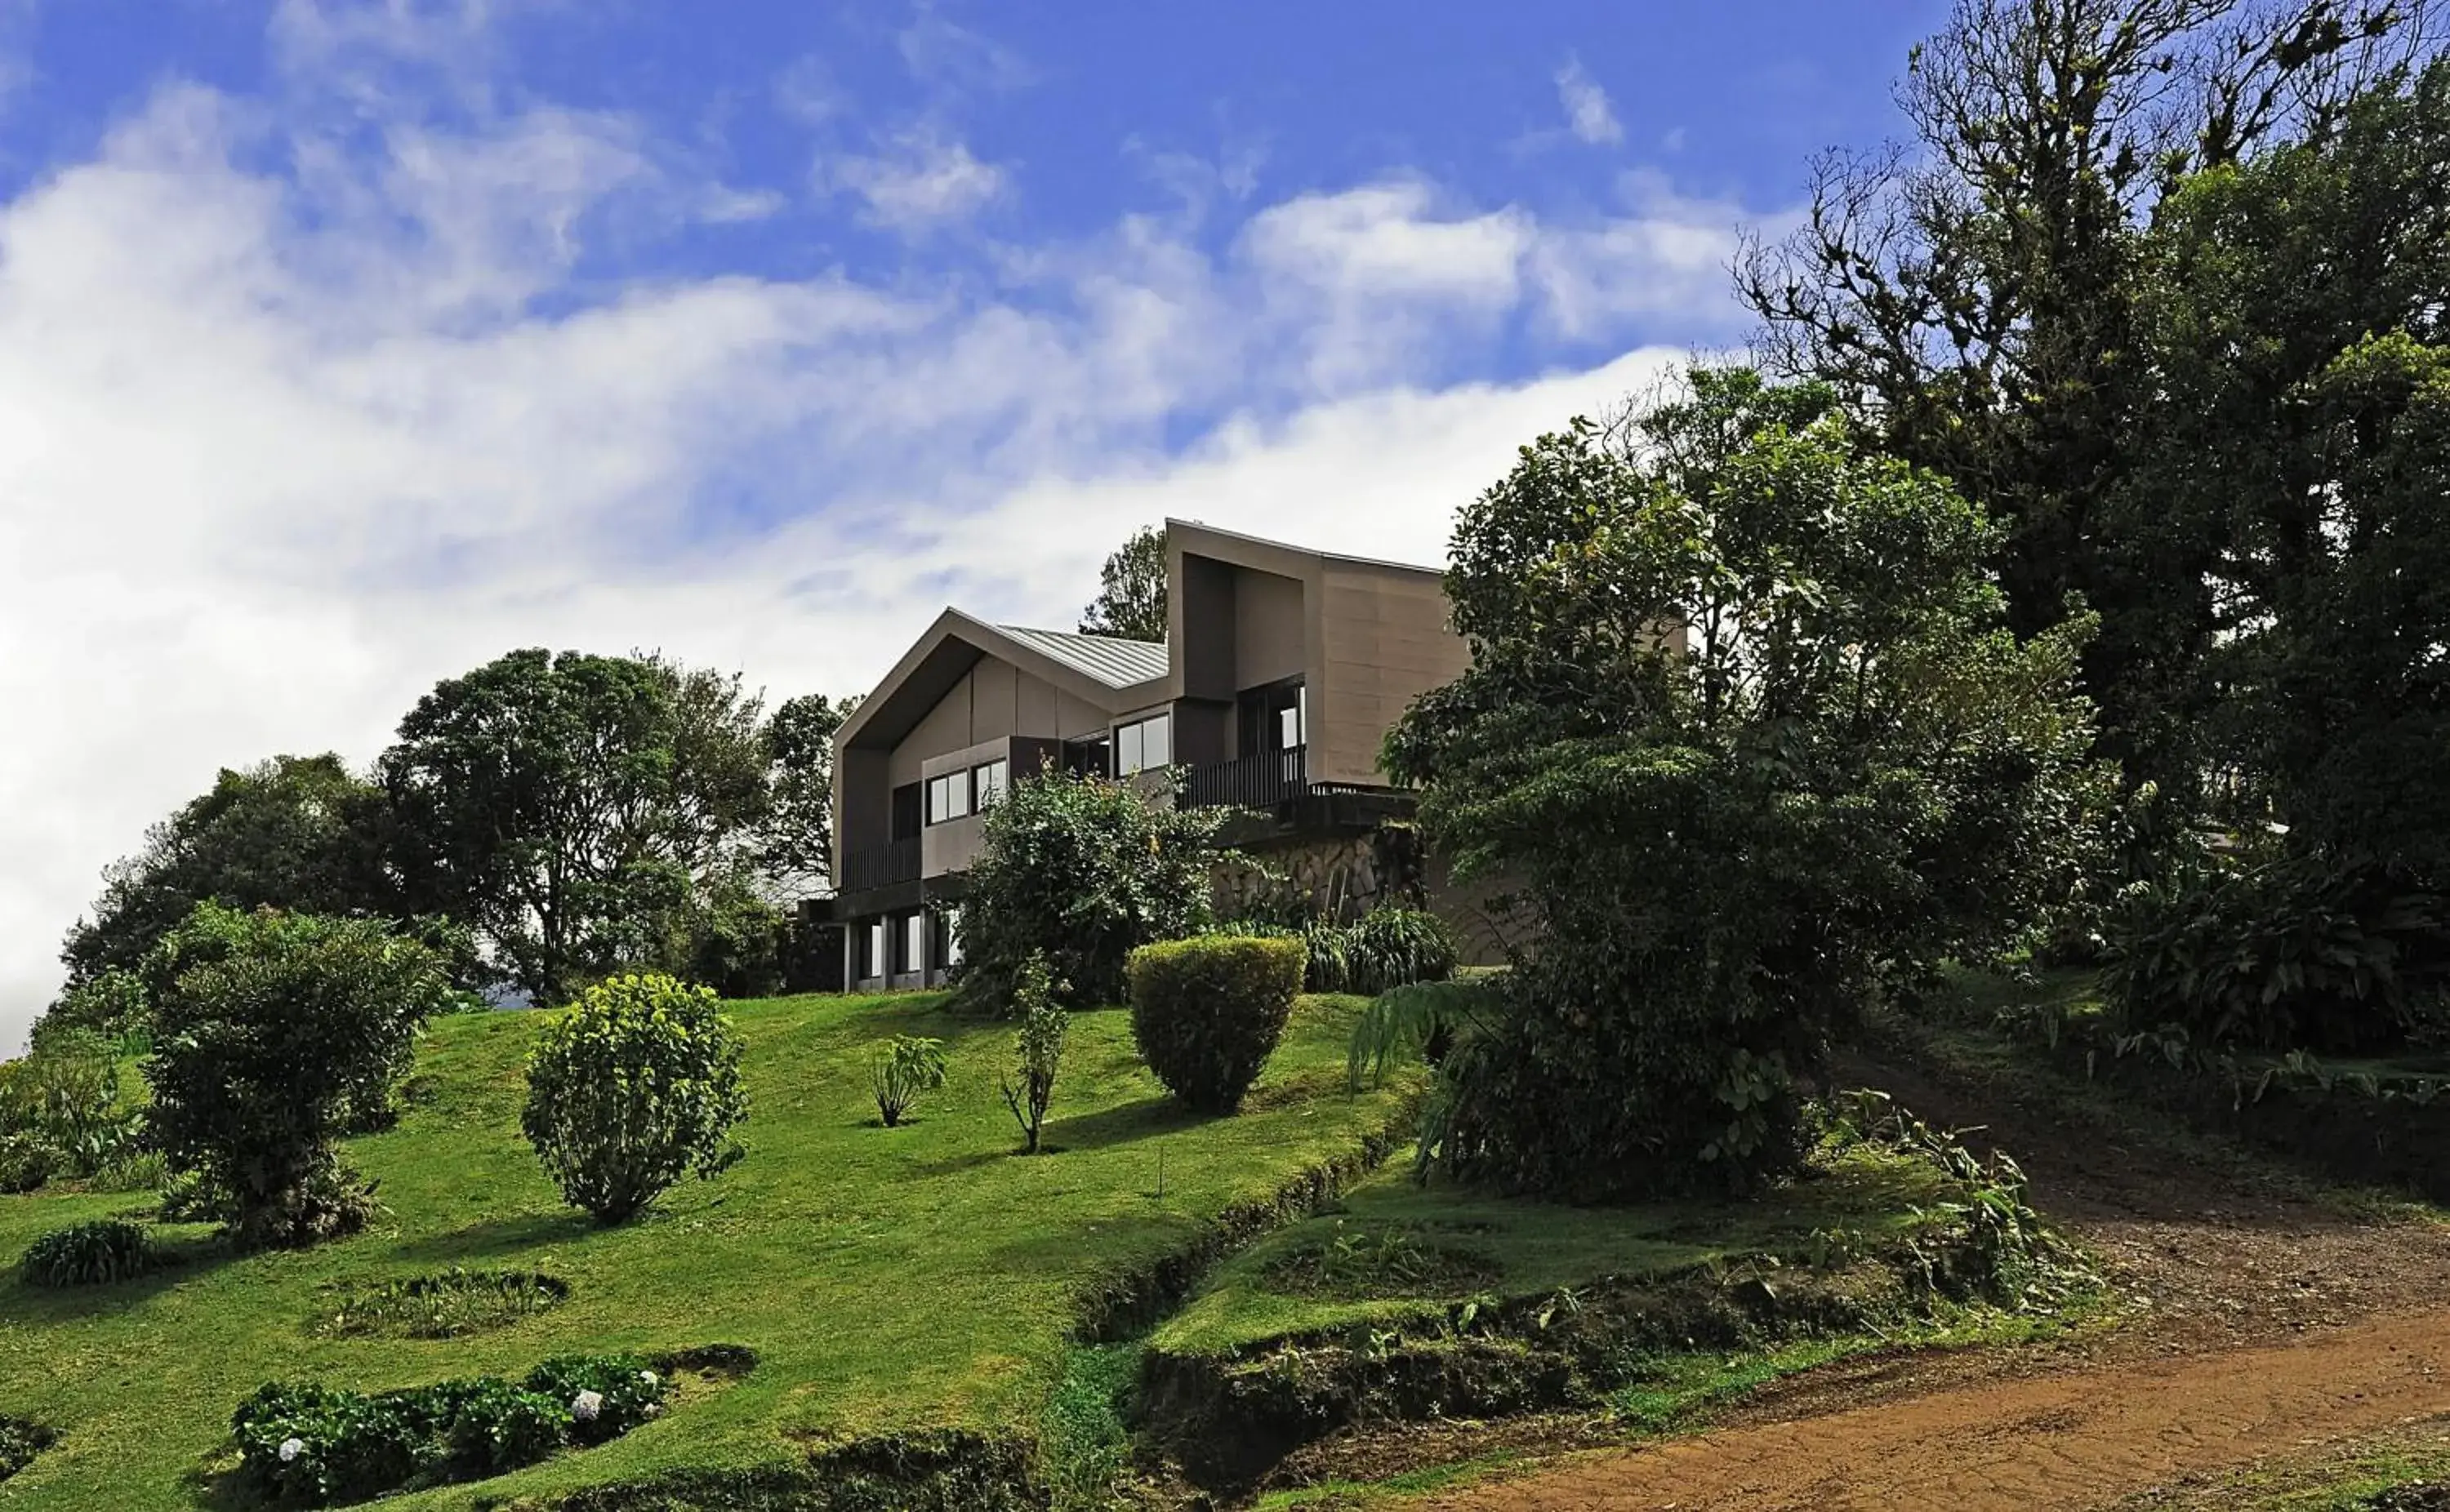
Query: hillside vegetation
[[891, 1281]]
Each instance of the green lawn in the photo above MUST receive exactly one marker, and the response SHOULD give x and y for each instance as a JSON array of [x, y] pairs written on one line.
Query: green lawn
[[1530, 1249], [889, 1279]]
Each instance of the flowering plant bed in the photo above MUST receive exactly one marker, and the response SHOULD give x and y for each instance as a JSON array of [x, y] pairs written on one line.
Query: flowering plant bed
[[304, 1445]]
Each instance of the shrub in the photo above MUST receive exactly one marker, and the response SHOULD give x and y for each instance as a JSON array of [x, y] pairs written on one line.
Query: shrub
[[301, 1444], [1038, 1047], [273, 1029], [900, 1070], [602, 1396], [192, 1197], [443, 1305], [21, 1439], [2291, 954], [634, 1088], [494, 1426], [1396, 947], [130, 1170], [1385, 948], [26, 1162], [1208, 1012], [1326, 957], [88, 1254], [66, 1094], [1080, 870]]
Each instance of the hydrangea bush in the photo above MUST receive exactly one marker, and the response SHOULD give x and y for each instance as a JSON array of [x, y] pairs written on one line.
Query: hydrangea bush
[[305, 1445]]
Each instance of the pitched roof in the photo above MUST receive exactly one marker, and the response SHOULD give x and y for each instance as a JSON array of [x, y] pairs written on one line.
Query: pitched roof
[[1110, 659]]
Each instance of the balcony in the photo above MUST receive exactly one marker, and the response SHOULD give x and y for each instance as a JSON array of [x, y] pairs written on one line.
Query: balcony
[[1263, 781], [880, 865]]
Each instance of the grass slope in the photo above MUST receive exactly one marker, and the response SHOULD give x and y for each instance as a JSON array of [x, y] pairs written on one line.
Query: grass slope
[[1534, 1249], [889, 1279]]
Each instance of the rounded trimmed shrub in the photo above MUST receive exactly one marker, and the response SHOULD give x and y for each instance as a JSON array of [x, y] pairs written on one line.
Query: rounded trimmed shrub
[[88, 1254], [1207, 1011], [633, 1089]]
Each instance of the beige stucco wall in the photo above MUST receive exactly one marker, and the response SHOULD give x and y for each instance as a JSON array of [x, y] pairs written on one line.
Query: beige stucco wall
[[995, 700], [1269, 629], [1384, 641]]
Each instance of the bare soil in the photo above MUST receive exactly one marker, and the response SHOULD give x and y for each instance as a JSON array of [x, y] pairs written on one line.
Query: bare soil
[[2264, 1317]]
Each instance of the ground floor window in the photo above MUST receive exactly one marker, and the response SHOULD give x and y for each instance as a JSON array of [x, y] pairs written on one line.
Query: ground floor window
[[871, 955], [951, 937]]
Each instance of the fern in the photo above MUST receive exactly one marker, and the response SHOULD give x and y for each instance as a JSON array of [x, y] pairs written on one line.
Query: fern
[[1404, 1023]]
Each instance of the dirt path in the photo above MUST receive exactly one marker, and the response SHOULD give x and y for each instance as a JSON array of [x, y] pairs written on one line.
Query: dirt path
[[2073, 1441], [2267, 1323]]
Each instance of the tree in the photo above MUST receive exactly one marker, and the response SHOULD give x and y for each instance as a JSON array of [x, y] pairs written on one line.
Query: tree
[[576, 809], [795, 844], [1746, 731], [1037, 1047], [633, 1089], [1976, 294], [1082, 870], [1131, 590], [293, 832], [2295, 320], [273, 1029]]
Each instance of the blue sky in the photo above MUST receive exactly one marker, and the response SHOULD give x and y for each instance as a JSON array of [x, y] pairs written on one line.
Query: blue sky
[[345, 343]]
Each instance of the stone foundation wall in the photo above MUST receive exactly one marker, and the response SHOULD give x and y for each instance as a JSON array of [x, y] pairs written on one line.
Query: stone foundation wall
[[1346, 876]]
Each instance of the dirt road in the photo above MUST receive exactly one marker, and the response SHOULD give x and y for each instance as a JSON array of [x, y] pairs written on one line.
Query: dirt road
[[2270, 1323], [2076, 1440]]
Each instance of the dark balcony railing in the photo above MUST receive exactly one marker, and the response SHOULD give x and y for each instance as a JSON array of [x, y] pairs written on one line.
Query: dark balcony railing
[[1263, 781], [880, 865]]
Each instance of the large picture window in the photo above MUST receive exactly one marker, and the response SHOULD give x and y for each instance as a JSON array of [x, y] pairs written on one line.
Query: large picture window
[[1144, 744], [948, 796]]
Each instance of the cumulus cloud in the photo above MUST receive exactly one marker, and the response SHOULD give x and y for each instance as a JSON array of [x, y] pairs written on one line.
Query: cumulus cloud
[[1588, 113], [284, 446]]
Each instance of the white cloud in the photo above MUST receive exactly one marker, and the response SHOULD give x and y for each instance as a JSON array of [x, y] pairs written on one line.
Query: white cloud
[[919, 181], [1587, 114], [277, 453], [954, 58]]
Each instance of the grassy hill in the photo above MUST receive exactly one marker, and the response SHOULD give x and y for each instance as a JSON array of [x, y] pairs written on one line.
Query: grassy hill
[[891, 1281]]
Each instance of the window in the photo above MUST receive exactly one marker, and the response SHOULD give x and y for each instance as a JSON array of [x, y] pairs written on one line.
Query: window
[[1144, 744], [1273, 718], [873, 965], [948, 796], [989, 781], [914, 943], [951, 937]]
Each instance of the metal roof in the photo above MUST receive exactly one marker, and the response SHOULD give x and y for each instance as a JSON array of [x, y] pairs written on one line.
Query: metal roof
[[1110, 659]]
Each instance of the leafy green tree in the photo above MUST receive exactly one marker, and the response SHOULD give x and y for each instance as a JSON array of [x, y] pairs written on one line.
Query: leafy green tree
[[273, 1028], [633, 1089], [795, 842], [2297, 331], [295, 832], [573, 808], [1082, 870], [1131, 590], [1746, 731], [1974, 294]]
